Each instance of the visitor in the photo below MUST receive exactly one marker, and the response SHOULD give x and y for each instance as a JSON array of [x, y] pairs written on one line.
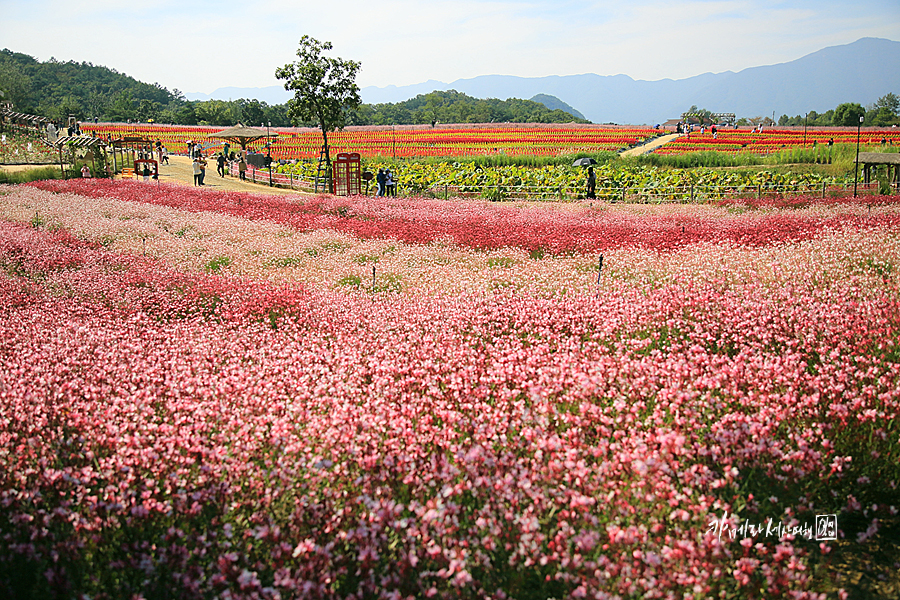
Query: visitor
[[146, 172], [85, 172], [220, 165], [195, 164], [380, 180], [591, 184], [202, 168], [242, 168], [165, 155], [389, 183]]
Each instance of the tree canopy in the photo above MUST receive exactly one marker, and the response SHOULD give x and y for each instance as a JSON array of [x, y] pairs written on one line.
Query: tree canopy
[[456, 107], [324, 87], [848, 114]]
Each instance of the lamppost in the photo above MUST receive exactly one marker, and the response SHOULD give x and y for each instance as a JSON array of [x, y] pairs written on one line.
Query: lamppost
[[268, 151], [805, 121], [856, 170]]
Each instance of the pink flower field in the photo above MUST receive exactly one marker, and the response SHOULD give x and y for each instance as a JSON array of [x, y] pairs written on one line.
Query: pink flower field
[[209, 395]]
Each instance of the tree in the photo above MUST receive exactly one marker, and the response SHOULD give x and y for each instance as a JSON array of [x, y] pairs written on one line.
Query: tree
[[14, 85], [848, 114], [148, 111], [890, 102], [884, 111], [214, 112], [324, 89]]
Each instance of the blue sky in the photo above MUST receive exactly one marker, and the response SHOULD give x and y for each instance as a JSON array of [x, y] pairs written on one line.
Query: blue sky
[[202, 46]]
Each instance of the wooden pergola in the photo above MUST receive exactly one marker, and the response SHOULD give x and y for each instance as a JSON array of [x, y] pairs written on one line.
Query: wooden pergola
[[870, 160], [79, 142], [136, 145]]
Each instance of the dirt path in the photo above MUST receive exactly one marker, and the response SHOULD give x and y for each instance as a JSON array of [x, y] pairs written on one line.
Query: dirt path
[[652, 145], [180, 171]]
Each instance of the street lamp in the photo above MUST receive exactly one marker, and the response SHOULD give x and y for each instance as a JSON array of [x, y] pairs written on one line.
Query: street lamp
[[856, 170], [268, 151]]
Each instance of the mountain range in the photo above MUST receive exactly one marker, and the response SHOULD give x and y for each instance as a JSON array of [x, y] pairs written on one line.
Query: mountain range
[[862, 72]]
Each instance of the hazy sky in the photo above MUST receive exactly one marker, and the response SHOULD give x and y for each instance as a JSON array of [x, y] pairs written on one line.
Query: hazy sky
[[202, 46]]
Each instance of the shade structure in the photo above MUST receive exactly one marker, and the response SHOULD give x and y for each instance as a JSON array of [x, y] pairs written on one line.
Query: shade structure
[[240, 134]]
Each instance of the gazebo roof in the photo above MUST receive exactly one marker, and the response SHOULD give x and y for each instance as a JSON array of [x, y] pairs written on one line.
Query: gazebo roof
[[879, 158], [241, 134]]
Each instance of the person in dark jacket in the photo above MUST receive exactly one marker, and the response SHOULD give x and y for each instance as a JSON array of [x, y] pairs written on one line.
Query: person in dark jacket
[[380, 179]]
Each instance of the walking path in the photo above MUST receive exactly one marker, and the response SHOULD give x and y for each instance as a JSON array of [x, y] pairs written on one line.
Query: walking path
[[651, 145], [180, 171]]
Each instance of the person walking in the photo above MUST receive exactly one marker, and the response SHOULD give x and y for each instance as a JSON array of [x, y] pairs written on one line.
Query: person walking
[[220, 165], [202, 169], [591, 184], [389, 183], [195, 164], [380, 180], [242, 168]]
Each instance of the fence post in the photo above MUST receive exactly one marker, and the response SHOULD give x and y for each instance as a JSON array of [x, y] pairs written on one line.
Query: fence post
[[758, 191], [692, 191], [445, 192], [823, 189]]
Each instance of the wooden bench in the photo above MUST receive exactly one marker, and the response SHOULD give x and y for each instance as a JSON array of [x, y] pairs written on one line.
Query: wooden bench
[[127, 173]]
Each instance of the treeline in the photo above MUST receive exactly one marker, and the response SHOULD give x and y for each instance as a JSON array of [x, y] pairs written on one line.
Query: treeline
[[882, 113], [456, 107], [57, 89]]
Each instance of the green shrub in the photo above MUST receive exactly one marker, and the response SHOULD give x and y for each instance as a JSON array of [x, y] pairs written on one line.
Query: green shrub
[[216, 264]]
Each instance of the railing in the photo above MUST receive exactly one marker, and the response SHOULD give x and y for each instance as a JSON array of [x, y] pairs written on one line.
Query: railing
[[693, 193], [262, 176]]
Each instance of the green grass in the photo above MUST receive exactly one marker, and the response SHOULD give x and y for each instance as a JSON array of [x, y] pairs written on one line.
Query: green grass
[[40, 173]]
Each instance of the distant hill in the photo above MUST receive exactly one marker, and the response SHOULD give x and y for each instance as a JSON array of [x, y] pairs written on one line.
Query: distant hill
[[56, 89], [455, 107], [554, 103], [859, 72]]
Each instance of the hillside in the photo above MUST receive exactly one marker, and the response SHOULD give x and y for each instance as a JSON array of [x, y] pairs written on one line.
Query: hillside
[[455, 107], [859, 72], [56, 89]]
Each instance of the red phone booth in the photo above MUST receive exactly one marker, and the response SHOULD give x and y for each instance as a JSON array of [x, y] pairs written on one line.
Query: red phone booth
[[347, 174], [152, 168]]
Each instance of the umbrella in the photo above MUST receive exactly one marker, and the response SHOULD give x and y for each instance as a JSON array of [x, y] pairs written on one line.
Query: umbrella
[[584, 162], [239, 134]]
